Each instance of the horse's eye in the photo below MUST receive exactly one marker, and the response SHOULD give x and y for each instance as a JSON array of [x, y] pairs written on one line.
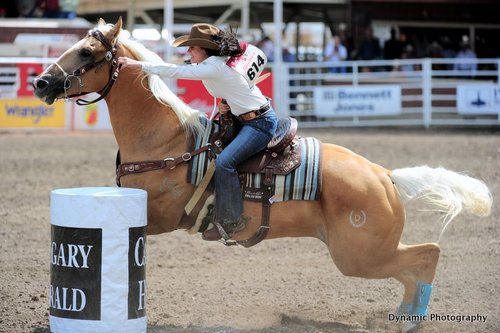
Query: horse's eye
[[85, 53]]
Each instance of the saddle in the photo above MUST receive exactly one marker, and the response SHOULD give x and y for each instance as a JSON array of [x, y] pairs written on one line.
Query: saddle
[[282, 153], [281, 156]]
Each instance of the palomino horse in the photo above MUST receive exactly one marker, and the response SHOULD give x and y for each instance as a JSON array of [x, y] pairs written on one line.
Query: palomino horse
[[360, 213]]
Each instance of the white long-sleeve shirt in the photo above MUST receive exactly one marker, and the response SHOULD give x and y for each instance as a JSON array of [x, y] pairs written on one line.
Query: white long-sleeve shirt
[[220, 80]]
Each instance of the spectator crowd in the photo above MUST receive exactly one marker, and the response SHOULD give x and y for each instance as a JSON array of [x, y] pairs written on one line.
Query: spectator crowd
[[340, 48], [39, 8], [398, 47]]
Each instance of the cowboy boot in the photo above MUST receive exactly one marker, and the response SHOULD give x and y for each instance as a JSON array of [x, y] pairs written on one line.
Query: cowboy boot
[[223, 229]]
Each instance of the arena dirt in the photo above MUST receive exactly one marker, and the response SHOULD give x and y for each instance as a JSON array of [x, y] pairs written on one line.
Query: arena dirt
[[284, 285]]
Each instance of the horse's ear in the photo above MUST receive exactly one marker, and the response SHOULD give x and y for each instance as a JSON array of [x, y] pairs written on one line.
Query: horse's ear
[[117, 28], [101, 21]]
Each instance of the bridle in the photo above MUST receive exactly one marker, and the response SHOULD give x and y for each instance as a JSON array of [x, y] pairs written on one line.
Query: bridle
[[113, 72]]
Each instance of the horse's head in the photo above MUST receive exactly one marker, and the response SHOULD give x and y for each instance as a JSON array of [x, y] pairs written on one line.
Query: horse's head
[[86, 67]]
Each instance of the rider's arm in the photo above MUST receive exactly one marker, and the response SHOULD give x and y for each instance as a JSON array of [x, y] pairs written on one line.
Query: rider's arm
[[201, 71]]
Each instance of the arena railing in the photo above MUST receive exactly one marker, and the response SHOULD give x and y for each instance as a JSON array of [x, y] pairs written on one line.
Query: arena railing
[[430, 90]]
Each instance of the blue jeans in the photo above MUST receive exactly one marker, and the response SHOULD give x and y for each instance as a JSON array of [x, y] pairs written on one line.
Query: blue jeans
[[252, 138]]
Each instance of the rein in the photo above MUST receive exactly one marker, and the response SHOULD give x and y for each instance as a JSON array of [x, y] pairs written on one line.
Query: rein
[[113, 72]]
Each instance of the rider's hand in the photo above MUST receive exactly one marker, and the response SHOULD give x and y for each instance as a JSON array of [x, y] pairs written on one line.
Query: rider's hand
[[131, 64], [224, 108]]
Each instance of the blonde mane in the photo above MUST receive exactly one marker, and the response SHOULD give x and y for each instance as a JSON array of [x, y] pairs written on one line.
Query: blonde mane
[[188, 117]]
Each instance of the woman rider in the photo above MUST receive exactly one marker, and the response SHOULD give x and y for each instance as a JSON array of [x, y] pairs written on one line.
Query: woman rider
[[228, 70]]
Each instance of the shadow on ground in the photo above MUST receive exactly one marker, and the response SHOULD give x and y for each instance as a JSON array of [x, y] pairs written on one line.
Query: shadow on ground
[[288, 324]]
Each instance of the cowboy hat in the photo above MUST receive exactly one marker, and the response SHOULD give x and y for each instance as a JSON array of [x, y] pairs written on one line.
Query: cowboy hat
[[201, 35]]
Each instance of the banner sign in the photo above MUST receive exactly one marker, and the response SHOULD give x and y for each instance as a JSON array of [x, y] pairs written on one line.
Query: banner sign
[[75, 279], [348, 101], [478, 99], [30, 113]]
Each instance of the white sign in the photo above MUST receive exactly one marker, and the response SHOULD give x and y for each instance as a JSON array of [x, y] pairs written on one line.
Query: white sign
[[26, 38], [478, 99], [357, 101]]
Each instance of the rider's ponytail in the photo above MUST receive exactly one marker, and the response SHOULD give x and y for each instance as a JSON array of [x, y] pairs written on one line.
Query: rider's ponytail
[[228, 44], [228, 41]]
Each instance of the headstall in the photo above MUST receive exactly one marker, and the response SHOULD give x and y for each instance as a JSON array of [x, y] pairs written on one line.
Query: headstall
[[76, 74]]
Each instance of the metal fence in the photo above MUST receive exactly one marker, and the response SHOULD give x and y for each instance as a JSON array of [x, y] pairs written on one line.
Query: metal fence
[[428, 90]]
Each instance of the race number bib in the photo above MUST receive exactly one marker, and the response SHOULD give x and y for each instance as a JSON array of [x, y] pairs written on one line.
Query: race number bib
[[250, 64]]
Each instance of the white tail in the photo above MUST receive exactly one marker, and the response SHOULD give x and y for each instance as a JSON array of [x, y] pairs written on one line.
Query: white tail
[[449, 191]]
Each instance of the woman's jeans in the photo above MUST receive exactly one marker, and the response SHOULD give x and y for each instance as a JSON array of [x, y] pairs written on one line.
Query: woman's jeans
[[252, 138]]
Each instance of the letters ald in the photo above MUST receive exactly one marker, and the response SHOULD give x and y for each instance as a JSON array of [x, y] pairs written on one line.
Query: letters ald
[[75, 275]]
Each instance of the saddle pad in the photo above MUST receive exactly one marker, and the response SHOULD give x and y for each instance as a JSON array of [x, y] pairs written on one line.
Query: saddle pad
[[303, 183], [199, 163]]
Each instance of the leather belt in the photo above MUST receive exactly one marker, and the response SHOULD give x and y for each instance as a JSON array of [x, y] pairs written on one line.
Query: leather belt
[[255, 113], [145, 166]]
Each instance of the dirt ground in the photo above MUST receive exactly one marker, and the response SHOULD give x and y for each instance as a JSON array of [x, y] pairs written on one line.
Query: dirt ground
[[284, 285]]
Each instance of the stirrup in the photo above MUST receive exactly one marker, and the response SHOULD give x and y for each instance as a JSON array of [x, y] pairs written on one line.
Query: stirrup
[[227, 230], [221, 230]]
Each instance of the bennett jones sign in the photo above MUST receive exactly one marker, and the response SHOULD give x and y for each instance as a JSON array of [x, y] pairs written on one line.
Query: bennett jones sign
[[357, 101]]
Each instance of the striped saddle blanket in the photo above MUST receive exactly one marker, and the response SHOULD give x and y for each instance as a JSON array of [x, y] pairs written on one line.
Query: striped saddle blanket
[[303, 183]]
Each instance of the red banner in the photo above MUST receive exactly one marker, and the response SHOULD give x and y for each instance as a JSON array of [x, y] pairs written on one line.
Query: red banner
[[25, 71], [194, 93]]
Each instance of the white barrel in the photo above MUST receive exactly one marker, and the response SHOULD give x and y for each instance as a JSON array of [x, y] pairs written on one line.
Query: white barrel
[[98, 257]]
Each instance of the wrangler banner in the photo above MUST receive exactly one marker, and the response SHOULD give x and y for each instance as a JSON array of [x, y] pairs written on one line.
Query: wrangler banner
[[31, 113]]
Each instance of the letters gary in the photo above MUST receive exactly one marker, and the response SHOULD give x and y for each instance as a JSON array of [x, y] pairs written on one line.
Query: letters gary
[[75, 275]]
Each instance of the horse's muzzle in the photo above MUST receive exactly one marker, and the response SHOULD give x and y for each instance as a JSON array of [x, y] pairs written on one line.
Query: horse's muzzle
[[40, 83], [46, 87]]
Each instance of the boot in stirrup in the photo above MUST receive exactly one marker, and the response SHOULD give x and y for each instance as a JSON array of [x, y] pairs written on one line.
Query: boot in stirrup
[[222, 229]]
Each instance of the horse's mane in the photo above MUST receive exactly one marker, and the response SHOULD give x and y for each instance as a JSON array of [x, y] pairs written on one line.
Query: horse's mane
[[188, 117]]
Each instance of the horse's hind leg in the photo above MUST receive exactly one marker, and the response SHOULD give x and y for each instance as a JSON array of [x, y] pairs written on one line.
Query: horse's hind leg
[[415, 267], [415, 264]]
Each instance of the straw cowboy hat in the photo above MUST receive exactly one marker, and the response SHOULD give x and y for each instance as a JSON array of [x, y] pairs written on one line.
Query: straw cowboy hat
[[201, 35]]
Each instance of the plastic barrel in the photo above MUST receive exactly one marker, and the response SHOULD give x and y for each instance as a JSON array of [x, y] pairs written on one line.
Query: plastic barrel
[[98, 260]]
